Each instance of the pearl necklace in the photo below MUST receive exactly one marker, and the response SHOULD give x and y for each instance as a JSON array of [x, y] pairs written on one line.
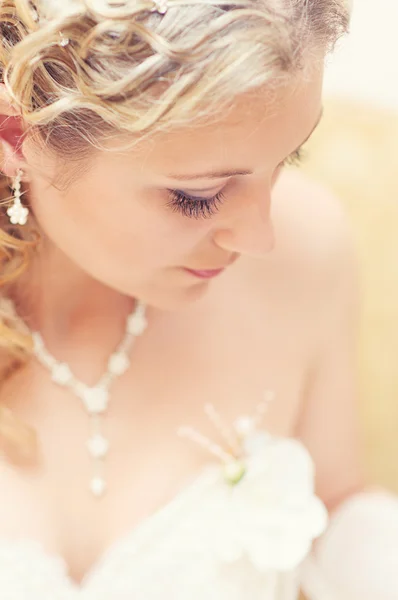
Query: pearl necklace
[[95, 399]]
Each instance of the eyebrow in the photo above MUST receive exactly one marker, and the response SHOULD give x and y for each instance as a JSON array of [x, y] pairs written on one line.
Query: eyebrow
[[235, 172]]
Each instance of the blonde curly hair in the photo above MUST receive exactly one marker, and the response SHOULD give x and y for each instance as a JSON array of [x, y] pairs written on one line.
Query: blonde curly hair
[[79, 72]]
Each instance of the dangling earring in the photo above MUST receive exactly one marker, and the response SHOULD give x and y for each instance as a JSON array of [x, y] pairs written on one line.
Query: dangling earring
[[18, 214]]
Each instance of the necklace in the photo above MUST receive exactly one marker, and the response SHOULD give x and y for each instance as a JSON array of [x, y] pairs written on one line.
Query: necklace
[[95, 400]]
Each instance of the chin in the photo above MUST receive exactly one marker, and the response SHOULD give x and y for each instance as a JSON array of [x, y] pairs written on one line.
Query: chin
[[172, 298]]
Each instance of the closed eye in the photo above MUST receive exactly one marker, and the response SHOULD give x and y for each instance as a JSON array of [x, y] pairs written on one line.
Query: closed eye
[[195, 207], [198, 207]]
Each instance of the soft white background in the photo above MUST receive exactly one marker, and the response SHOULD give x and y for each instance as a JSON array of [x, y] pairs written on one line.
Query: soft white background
[[365, 65]]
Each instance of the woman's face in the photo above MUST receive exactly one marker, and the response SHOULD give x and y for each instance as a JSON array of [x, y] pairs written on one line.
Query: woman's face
[[158, 222]]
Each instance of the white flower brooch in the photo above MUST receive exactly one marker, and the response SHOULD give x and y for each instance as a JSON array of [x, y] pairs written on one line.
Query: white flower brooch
[[263, 507]]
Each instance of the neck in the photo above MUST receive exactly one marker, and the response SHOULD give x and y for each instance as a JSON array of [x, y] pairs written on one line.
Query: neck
[[61, 301]]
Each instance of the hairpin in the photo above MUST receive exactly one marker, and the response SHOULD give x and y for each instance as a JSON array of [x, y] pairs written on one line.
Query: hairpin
[[34, 13], [160, 6], [64, 41]]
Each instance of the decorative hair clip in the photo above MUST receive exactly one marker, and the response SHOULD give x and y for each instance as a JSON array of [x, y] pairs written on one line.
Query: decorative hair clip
[[34, 13], [160, 6], [233, 454], [64, 41]]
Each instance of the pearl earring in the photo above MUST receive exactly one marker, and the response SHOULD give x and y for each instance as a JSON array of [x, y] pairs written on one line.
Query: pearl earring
[[18, 214]]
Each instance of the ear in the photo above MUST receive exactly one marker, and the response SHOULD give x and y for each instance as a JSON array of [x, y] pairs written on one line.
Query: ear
[[11, 136]]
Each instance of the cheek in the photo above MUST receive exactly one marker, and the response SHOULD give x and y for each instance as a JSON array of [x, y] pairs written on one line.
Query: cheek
[[91, 221], [143, 228]]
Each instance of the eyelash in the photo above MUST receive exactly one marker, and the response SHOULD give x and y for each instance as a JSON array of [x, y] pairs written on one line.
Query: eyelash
[[205, 208], [196, 208], [295, 159]]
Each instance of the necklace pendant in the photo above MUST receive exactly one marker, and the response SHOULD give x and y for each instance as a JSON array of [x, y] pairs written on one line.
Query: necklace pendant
[[98, 446], [95, 400], [97, 486]]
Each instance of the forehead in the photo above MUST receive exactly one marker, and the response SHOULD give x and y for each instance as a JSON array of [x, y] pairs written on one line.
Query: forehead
[[263, 122]]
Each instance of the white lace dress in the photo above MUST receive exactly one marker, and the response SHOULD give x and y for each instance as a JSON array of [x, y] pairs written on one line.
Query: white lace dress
[[236, 535]]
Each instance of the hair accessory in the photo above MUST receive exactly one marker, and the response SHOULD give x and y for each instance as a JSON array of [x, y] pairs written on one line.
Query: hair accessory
[[34, 13], [17, 212], [64, 41], [160, 6]]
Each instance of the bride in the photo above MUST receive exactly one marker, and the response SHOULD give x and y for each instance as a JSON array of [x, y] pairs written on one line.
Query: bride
[[177, 350]]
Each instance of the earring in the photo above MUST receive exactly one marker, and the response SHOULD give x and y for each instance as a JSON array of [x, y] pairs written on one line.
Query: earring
[[18, 214]]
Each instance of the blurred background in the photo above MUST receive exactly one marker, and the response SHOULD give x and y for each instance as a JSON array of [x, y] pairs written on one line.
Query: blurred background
[[355, 152]]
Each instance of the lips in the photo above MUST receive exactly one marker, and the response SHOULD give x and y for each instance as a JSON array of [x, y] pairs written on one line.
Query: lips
[[205, 273], [211, 273]]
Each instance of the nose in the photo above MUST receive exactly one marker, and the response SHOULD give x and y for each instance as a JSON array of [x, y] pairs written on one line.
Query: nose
[[249, 231]]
